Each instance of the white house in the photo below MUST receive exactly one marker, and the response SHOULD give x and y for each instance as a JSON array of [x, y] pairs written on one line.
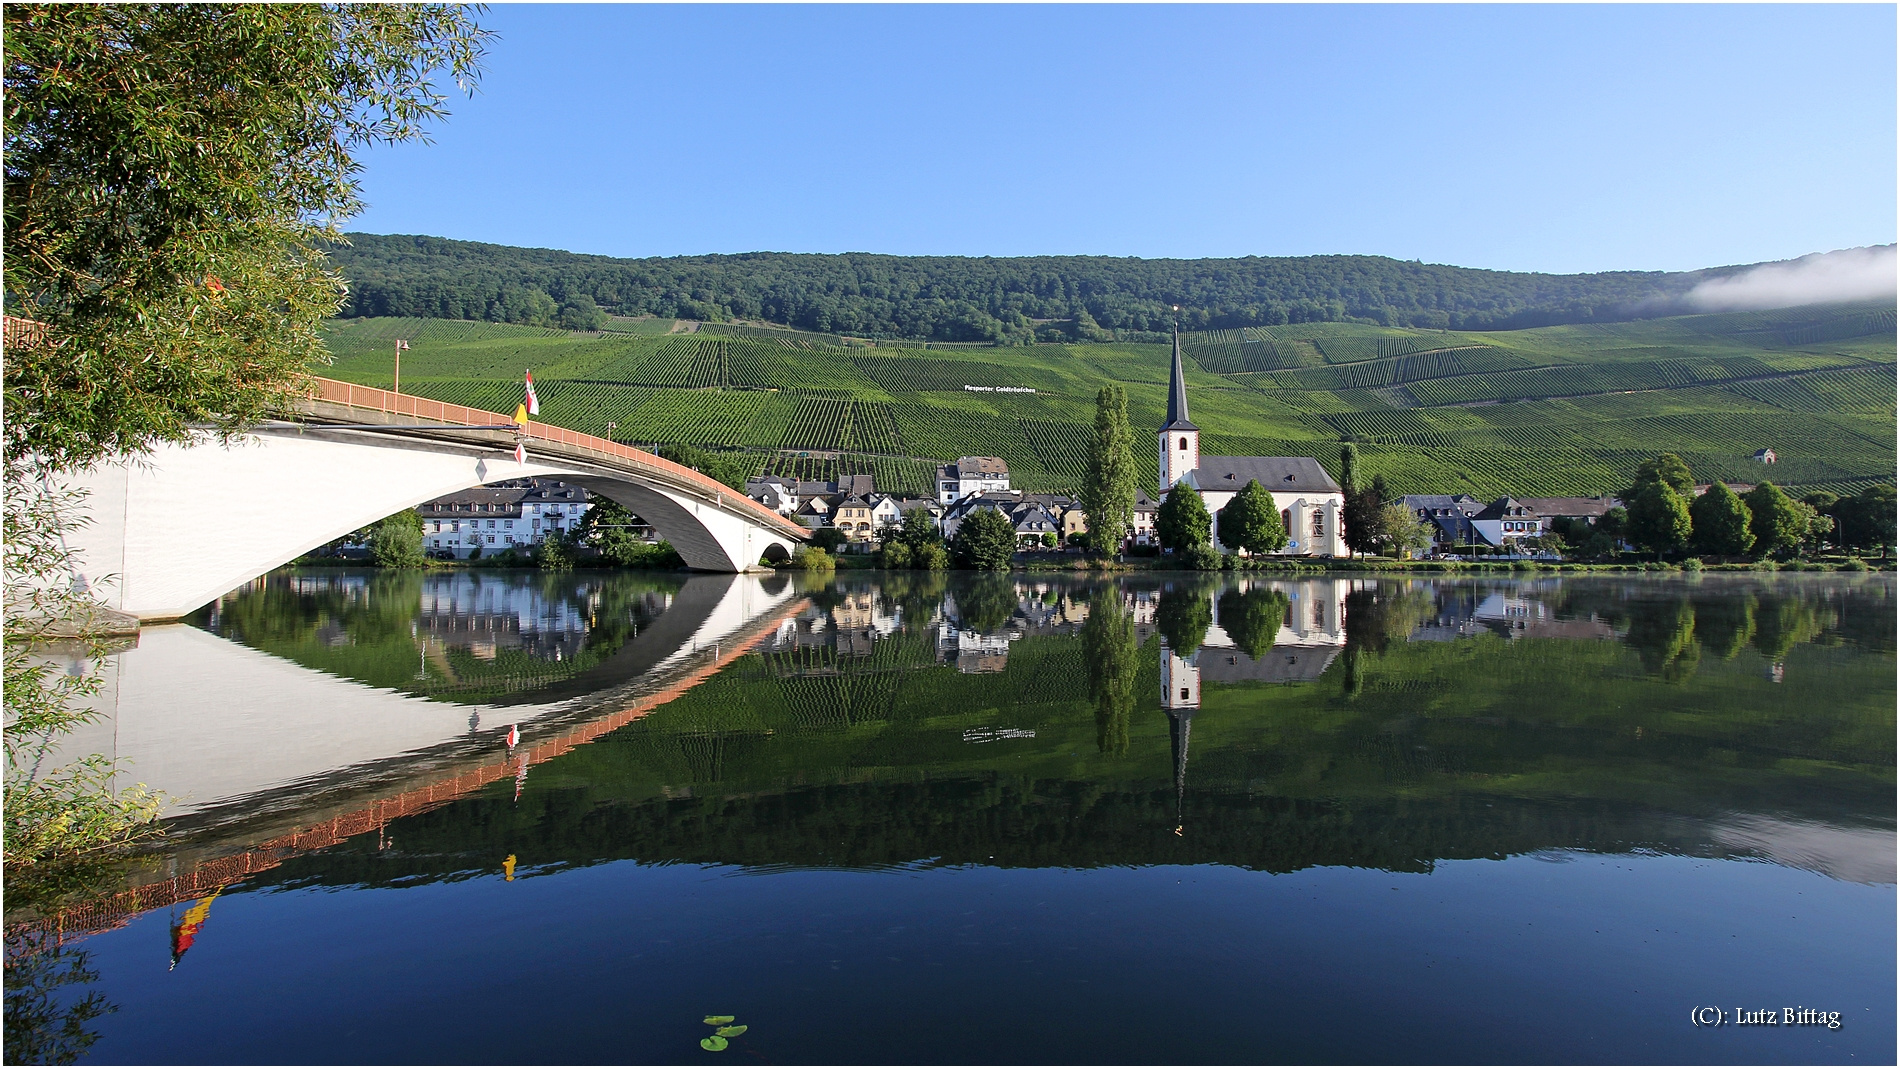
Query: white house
[[1311, 504], [510, 515], [971, 475]]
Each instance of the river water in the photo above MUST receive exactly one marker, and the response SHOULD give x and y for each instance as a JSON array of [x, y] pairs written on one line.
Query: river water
[[498, 817]]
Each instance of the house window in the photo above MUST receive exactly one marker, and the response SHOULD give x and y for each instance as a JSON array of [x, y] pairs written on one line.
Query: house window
[[1319, 524], [1184, 449], [1184, 690], [508, 523], [491, 525], [1286, 519]]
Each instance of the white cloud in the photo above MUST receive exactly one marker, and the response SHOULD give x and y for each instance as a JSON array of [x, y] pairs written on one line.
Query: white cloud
[[1821, 278]]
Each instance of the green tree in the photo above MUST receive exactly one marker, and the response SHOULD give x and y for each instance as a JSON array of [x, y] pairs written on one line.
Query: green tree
[[1108, 492], [1108, 643], [1183, 616], [895, 555], [1866, 520], [829, 538], [985, 603], [1719, 522], [1778, 526], [732, 467], [1252, 618], [1659, 519], [170, 173], [1403, 532], [813, 558], [1182, 521], [1665, 468], [1250, 521], [917, 530], [1662, 632], [581, 313], [985, 541], [607, 529], [396, 541], [1361, 506]]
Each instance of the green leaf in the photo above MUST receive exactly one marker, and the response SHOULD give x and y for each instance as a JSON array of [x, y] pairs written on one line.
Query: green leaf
[[719, 1020], [732, 1030], [713, 1043]]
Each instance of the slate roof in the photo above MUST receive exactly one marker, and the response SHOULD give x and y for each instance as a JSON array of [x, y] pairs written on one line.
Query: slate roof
[[1281, 474], [1503, 508], [1570, 506], [1177, 395], [1458, 504]]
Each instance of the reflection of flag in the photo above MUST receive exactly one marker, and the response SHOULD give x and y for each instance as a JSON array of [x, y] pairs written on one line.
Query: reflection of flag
[[533, 402], [521, 775], [185, 932], [514, 736], [508, 869]]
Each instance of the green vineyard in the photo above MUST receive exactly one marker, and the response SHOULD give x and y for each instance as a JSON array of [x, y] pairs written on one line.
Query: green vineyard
[[1555, 410]]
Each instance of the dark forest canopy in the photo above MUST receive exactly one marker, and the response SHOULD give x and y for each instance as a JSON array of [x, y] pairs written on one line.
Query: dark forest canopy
[[955, 298]]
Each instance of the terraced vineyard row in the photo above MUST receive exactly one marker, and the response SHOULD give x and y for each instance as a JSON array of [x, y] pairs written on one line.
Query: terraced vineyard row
[[346, 337], [1062, 448], [693, 362], [1241, 357], [1391, 371], [830, 423], [1866, 389]]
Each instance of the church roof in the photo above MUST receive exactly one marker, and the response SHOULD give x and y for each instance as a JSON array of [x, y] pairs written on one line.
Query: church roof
[[1177, 395], [1280, 474]]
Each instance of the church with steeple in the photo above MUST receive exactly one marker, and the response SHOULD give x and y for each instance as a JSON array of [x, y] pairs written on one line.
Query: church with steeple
[[1311, 504]]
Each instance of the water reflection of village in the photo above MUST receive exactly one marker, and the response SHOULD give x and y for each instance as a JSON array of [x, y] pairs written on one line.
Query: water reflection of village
[[482, 615]]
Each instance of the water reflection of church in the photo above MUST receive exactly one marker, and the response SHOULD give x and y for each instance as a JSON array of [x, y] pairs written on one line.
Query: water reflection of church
[[1312, 633]]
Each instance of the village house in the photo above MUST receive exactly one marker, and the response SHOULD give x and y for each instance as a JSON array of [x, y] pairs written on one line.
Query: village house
[[1449, 516], [1506, 521], [507, 515], [971, 475], [852, 515]]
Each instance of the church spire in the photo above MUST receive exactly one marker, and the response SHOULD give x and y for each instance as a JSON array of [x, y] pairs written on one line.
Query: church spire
[[1177, 393]]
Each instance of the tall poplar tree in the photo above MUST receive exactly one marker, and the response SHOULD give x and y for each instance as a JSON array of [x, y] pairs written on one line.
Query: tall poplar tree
[[1108, 497]]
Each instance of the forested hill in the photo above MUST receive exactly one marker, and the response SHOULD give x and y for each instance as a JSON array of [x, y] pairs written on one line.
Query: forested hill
[[954, 298]]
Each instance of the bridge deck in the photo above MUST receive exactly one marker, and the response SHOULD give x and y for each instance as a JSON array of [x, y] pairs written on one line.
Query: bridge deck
[[568, 444]]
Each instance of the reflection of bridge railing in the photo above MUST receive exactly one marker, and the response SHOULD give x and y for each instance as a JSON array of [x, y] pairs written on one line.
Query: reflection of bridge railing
[[641, 461], [117, 910]]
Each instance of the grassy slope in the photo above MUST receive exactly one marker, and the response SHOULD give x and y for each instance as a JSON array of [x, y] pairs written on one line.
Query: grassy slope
[[1557, 410]]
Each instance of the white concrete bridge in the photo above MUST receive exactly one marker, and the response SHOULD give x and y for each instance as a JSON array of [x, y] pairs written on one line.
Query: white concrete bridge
[[176, 529]]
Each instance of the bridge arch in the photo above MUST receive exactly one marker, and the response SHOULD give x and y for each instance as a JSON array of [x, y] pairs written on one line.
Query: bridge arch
[[180, 527]]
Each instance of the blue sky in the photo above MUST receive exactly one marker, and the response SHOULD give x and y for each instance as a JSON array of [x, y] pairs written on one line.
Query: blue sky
[[1524, 138]]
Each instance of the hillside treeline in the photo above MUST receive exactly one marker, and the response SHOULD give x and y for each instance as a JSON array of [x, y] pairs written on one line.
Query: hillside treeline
[[954, 298]]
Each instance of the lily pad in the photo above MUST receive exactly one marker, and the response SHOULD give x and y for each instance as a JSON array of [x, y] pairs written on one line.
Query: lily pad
[[713, 1043], [719, 1020], [732, 1030]]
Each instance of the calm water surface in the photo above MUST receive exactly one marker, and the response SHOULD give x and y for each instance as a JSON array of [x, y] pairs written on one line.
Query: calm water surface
[[982, 819]]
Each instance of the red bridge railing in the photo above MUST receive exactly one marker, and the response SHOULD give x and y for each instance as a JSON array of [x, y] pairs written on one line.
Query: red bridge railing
[[405, 404]]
